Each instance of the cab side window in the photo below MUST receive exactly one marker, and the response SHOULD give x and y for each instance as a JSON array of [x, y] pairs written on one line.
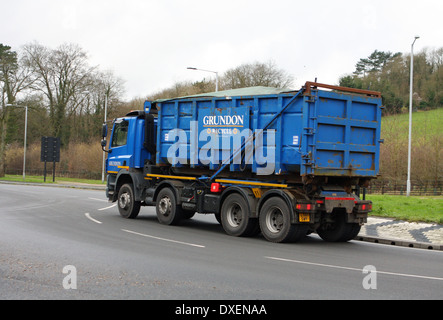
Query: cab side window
[[120, 134]]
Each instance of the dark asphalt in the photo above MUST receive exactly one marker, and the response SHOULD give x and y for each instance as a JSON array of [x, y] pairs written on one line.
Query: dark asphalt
[[44, 229]]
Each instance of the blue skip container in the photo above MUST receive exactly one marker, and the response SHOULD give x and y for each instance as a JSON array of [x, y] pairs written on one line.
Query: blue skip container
[[330, 132]]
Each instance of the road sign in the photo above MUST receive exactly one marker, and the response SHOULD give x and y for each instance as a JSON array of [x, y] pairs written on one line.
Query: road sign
[[50, 152]]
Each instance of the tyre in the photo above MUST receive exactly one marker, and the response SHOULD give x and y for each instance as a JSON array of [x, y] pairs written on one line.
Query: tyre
[[166, 207], [339, 230], [235, 217], [187, 214], [127, 206], [218, 217], [275, 222]]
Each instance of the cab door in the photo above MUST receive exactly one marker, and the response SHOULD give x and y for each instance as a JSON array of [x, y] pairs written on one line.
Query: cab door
[[120, 152]]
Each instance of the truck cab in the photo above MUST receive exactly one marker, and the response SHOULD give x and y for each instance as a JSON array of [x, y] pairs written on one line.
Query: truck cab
[[127, 153]]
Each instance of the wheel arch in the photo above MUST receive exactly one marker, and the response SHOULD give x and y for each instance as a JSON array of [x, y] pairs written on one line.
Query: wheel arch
[[246, 193], [176, 187], [288, 197], [134, 178]]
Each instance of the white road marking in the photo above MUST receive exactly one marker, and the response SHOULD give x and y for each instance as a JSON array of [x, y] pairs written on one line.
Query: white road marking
[[98, 199], [92, 219], [107, 207], [355, 269], [163, 239]]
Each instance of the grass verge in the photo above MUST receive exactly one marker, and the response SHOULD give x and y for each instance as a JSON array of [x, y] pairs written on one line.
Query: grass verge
[[413, 208], [39, 179]]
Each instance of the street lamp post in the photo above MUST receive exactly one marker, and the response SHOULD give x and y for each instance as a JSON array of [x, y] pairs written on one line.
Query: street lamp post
[[216, 75], [411, 81], [24, 144], [103, 161]]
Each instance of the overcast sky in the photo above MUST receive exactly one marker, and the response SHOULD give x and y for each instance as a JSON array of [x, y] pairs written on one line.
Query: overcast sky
[[149, 43]]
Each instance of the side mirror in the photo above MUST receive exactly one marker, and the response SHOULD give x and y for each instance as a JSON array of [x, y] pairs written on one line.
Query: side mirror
[[104, 135], [104, 130], [103, 144]]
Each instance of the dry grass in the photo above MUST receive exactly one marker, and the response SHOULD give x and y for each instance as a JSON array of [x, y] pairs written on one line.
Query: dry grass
[[79, 158]]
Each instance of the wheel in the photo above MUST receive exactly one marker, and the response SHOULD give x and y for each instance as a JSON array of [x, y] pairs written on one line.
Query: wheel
[[339, 230], [127, 206], [235, 217], [166, 207], [275, 222]]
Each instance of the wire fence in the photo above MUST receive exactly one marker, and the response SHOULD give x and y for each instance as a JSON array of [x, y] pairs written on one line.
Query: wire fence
[[389, 187], [418, 188], [90, 175]]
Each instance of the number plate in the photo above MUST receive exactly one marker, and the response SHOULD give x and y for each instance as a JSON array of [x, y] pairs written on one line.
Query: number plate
[[304, 217]]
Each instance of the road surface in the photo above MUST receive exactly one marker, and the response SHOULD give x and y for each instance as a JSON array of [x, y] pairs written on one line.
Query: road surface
[[64, 243]]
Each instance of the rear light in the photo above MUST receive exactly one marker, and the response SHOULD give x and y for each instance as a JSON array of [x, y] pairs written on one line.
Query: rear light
[[216, 187], [304, 206], [365, 207]]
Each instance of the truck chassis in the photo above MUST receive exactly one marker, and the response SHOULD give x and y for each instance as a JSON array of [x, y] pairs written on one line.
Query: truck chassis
[[281, 212]]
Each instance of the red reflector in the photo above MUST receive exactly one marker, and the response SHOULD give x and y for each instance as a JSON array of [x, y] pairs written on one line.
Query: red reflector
[[331, 198], [305, 206], [363, 207], [216, 187]]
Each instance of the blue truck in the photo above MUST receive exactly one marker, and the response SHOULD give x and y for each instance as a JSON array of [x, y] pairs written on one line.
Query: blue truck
[[281, 162]]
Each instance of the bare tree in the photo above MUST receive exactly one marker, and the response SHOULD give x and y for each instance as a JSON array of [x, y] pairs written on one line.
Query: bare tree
[[14, 78], [256, 74], [60, 75], [88, 107]]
